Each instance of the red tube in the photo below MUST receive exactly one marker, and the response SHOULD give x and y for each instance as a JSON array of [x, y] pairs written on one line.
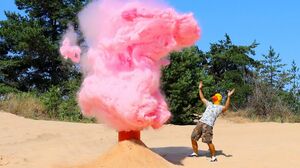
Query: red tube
[[127, 135]]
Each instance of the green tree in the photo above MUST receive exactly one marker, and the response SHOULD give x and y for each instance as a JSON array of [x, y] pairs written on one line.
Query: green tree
[[294, 92], [270, 100], [180, 83], [271, 70], [294, 72], [29, 44], [232, 67]]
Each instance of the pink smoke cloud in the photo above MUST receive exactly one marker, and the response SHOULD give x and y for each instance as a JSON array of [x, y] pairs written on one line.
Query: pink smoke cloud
[[69, 48], [128, 42]]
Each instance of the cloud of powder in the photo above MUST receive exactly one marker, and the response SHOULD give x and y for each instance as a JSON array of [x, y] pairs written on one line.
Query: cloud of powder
[[128, 42]]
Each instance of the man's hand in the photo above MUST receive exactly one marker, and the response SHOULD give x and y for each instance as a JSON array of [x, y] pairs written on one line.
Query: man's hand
[[200, 85], [230, 93], [201, 94]]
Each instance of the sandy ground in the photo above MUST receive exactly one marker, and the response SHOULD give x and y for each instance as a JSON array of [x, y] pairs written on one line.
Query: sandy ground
[[26, 143]]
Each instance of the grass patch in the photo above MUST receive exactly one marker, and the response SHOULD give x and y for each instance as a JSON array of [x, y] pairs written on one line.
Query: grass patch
[[23, 104], [249, 115]]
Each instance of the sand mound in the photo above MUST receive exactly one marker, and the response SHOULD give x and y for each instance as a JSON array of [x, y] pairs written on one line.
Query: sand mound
[[26, 143], [131, 154]]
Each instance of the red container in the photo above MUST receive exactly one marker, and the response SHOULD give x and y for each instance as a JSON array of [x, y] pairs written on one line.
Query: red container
[[127, 135]]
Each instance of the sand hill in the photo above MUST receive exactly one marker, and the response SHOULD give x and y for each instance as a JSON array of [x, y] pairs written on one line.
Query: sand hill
[[129, 154]]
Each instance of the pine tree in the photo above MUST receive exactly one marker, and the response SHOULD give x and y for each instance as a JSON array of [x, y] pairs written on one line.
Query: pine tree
[[294, 91], [232, 67], [294, 72], [271, 70], [29, 44]]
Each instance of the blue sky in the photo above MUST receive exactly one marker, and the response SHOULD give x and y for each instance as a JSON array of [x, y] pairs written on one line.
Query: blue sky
[[269, 22], [273, 23]]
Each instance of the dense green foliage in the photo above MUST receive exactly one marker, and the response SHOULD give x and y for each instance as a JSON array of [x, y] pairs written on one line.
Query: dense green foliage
[[180, 83], [30, 63], [263, 87], [29, 55], [29, 44]]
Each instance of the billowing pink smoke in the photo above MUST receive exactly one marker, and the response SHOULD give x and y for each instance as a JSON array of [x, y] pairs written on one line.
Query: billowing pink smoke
[[127, 44]]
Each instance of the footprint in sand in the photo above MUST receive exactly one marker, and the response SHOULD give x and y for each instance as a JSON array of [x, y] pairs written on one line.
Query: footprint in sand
[[3, 161]]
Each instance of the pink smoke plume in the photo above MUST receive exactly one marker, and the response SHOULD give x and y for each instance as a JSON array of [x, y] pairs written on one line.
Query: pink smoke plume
[[127, 44]]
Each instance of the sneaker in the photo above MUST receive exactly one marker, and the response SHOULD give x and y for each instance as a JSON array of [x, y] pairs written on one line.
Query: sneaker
[[213, 159], [193, 154]]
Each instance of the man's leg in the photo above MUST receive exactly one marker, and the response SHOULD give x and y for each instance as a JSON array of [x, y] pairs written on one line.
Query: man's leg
[[195, 146], [196, 134], [212, 149], [212, 152], [207, 138]]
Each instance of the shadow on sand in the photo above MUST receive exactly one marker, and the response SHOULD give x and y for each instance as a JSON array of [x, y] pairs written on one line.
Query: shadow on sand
[[175, 155]]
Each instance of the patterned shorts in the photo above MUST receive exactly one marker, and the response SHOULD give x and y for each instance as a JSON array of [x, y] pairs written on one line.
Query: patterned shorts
[[203, 131]]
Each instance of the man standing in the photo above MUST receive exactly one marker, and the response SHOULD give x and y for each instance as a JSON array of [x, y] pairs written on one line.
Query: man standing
[[204, 128]]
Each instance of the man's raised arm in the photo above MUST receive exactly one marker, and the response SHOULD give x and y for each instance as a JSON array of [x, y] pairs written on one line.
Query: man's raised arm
[[227, 104], [201, 94]]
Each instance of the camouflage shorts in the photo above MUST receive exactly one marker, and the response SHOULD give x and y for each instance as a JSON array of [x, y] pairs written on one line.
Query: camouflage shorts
[[203, 131]]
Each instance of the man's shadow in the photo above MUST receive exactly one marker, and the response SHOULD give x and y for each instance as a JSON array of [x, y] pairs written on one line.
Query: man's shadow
[[175, 155]]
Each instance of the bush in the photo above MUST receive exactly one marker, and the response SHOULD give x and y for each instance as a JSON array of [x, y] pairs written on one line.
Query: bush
[[51, 100], [5, 89], [266, 104], [23, 104], [61, 104], [68, 110]]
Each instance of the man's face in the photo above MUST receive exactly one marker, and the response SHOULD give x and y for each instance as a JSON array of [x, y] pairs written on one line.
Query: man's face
[[214, 99], [217, 98]]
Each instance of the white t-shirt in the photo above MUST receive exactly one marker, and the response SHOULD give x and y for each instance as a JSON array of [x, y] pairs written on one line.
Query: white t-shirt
[[211, 113]]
